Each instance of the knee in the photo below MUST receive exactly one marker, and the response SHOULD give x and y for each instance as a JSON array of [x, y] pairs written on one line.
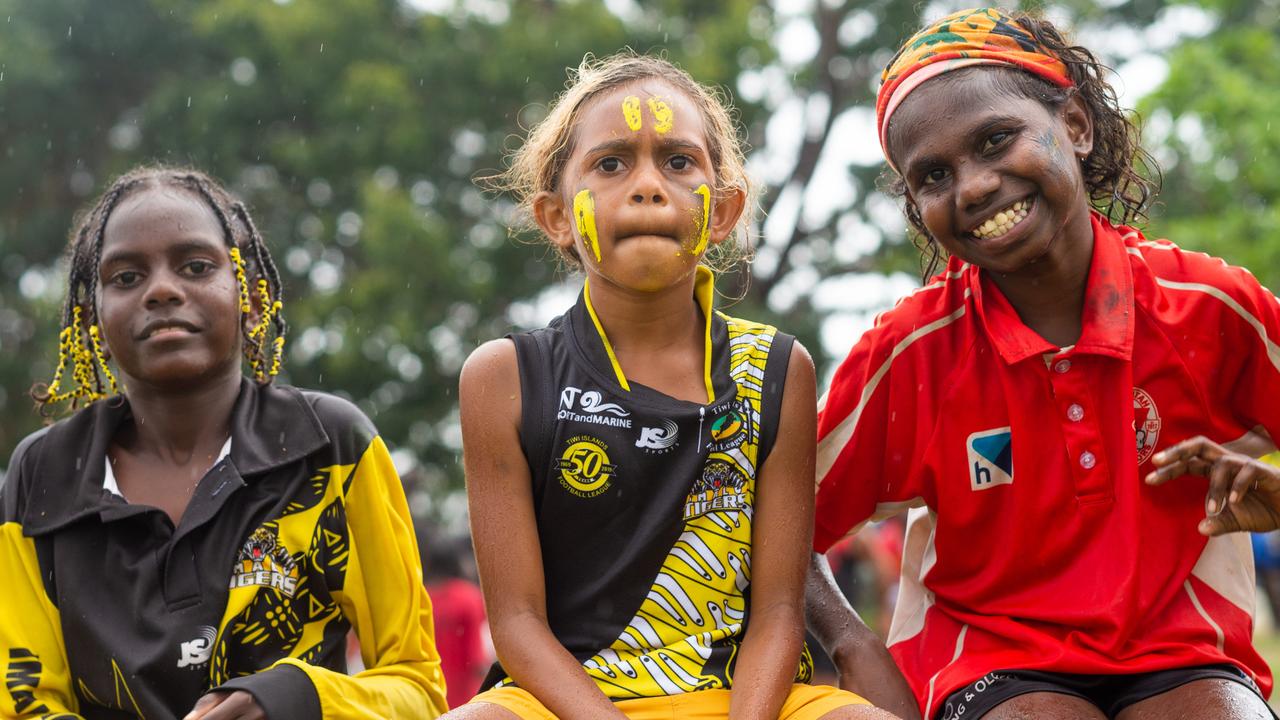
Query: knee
[[859, 712], [480, 711]]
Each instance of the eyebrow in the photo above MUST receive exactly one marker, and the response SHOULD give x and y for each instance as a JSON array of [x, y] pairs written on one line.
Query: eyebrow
[[178, 248], [668, 144]]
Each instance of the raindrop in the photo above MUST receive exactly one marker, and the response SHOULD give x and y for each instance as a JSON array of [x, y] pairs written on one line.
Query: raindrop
[[321, 47], [68, 31], [188, 101]]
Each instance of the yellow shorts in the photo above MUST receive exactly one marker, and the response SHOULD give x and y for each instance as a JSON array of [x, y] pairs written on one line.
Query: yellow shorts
[[805, 702]]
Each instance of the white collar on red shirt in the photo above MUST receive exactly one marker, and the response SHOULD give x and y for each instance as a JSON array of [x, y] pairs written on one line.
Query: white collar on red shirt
[[1107, 320]]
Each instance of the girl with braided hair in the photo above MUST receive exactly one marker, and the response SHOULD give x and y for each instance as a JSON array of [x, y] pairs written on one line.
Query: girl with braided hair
[[193, 543], [1036, 405]]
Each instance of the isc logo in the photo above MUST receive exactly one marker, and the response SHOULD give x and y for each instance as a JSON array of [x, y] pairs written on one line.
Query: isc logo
[[990, 454]]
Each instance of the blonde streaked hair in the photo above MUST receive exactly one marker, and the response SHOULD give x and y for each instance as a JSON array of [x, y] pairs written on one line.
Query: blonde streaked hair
[[538, 164]]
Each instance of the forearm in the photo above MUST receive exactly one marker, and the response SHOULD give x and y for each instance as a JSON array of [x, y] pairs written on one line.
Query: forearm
[[767, 662], [536, 660], [864, 664]]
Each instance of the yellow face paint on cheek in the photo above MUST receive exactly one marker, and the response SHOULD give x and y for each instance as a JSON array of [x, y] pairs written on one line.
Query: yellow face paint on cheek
[[704, 232], [663, 118], [584, 210], [631, 112]]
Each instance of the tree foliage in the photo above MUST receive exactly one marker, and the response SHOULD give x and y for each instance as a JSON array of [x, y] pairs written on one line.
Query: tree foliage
[[356, 129]]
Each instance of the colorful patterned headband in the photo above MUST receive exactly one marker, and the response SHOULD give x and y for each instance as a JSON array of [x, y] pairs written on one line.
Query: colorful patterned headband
[[981, 36]]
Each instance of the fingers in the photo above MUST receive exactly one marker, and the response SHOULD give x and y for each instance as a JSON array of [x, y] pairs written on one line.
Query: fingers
[[1247, 478], [207, 702], [1220, 524], [1178, 468], [238, 705]]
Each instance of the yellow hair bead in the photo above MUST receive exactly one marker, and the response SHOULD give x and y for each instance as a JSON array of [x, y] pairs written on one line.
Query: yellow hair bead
[[277, 351], [102, 360], [241, 280]]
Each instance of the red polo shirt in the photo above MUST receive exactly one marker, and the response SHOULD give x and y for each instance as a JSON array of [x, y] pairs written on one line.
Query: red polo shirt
[[1033, 542]]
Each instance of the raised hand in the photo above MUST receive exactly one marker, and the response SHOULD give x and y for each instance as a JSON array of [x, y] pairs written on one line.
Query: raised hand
[[1243, 495]]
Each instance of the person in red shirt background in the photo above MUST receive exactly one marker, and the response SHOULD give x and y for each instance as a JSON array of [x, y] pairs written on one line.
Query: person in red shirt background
[[1036, 405], [462, 630]]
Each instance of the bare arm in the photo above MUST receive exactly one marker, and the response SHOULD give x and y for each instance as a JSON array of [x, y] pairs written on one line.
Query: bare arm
[[503, 528], [864, 664], [780, 539]]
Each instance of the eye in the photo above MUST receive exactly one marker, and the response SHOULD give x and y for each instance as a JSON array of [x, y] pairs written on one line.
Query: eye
[[933, 176], [609, 164], [125, 278], [680, 162], [198, 267], [997, 139]]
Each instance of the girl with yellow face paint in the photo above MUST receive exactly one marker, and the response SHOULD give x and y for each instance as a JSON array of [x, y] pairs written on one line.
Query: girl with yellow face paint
[[649, 486]]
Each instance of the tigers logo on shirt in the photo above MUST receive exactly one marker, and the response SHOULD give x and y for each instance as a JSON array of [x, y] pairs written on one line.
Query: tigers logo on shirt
[[264, 562], [990, 455]]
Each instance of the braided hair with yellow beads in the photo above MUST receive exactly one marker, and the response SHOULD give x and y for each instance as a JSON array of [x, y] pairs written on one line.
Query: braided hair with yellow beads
[[82, 374]]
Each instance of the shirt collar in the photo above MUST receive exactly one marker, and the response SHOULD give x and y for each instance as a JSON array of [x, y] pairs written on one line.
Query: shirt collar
[[1107, 317], [271, 426], [599, 350]]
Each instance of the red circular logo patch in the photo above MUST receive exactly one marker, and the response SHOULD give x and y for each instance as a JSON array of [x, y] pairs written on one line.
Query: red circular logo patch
[[1146, 423]]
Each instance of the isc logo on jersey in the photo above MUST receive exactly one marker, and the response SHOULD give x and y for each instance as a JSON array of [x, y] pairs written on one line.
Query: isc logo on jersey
[[659, 440], [990, 454], [195, 653], [584, 466]]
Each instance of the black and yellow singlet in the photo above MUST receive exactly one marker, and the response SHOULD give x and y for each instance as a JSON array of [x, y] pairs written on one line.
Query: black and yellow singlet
[[644, 503]]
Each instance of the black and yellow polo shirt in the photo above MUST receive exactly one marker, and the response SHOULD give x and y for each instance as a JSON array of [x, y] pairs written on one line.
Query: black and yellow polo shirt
[[297, 535]]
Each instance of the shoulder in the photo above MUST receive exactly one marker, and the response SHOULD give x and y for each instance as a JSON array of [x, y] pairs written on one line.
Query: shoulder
[[1196, 281], [348, 428], [929, 322], [18, 475], [493, 362]]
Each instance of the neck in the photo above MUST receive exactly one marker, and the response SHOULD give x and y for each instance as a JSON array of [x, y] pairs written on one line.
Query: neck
[[176, 425], [638, 321], [1049, 295]]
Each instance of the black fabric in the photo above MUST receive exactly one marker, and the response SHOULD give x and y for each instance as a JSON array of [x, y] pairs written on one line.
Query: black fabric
[[1109, 693], [134, 592], [283, 693], [602, 552]]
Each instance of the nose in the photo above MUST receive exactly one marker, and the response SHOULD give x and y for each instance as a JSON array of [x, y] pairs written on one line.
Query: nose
[[163, 288], [647, 186], [975, 183]]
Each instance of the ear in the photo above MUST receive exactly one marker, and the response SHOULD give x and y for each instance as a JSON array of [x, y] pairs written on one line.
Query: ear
[[555, 219], [1079, 123], [728, 209]]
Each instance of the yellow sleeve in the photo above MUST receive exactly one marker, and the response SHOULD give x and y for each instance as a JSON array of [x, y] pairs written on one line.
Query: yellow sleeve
[[37, 679], [384, 599]]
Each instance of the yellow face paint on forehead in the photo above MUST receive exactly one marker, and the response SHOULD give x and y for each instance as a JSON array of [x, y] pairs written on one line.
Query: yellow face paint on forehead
[[631, 112], [663, 118], [584, 210], [704, 232]]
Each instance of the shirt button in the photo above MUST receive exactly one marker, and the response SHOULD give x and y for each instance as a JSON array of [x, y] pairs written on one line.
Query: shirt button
[[1062, 366], [1075, 413], [1087, 460]]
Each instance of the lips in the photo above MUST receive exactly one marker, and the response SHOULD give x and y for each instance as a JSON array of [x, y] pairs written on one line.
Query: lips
[[166, 327], [999, 223]]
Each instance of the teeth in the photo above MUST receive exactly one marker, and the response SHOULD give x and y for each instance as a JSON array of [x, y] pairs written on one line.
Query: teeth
[[1002, 222]]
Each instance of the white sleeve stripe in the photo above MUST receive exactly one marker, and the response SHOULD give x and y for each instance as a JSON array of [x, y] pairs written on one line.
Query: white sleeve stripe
[[1273, 351], [830, 447]]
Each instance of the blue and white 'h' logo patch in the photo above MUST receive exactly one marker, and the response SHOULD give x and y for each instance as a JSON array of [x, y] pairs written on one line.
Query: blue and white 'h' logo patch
[[990, 458]]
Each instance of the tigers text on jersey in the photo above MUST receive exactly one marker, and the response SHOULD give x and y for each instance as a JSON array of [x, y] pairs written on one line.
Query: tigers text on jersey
[[296, 536], [644, 503], [1034, 542]]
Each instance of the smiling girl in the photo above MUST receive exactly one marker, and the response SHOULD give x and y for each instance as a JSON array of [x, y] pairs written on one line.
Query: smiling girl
[[191, 542], [1017, 401], [639, 472]]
